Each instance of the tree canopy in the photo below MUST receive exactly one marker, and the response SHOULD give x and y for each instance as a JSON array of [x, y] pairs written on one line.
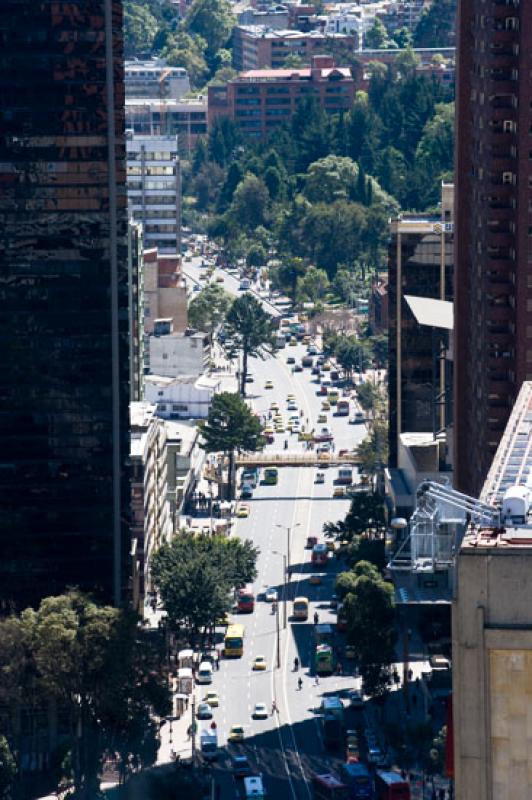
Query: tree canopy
[[208, 309], [196, 577], [249, 330], [231, 426]]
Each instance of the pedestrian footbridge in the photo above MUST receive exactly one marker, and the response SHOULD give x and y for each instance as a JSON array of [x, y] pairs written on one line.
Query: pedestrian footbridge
[[288, 459]]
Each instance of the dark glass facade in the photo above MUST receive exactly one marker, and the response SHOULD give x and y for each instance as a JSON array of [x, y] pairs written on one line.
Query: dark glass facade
[[416, 262], [64, 377]]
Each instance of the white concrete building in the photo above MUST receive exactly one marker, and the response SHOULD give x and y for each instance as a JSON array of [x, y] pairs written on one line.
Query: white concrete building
[[154, 189], [173, 354], [154, 78], [186, 118], [185, 463], [183, 397], [150, 511], [355, 19]]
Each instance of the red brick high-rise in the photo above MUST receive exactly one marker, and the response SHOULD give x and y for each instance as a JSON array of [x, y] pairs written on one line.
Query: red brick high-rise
[[493, 227]]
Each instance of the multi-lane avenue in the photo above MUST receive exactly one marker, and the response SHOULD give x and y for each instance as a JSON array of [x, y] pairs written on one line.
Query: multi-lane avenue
[[286, 747]]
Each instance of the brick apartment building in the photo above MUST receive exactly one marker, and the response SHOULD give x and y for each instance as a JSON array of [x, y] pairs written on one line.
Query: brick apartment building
[[259, 47], [260, 100], [493, 283]]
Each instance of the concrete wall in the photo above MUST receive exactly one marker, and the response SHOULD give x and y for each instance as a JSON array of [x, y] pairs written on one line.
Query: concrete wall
[[492, 670]]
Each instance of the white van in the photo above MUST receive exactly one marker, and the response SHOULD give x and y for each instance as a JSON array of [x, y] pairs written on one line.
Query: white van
[[204, 674]]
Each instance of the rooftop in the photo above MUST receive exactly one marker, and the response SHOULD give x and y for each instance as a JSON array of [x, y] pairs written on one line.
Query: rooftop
[[203, 382], [511, 467], [291, 74]]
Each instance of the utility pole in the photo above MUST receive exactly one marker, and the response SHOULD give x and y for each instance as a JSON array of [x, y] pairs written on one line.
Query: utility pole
[[285, 593]]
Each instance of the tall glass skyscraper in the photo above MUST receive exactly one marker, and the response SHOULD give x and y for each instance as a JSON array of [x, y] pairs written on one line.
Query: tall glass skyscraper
[[64, 363]]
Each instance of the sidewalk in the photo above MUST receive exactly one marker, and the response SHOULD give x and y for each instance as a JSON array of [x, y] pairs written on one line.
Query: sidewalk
[[174, 732]]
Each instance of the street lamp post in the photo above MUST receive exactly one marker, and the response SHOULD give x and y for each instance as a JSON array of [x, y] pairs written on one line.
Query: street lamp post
[[285, 588], [278, 636], [288, 529]]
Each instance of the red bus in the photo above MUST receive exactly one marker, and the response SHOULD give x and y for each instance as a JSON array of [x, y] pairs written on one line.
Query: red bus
[[245, 599], [327, 787], [320, 555], [391, 786]]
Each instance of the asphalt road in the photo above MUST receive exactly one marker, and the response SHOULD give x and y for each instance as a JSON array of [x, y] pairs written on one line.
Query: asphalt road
[[286, 748]]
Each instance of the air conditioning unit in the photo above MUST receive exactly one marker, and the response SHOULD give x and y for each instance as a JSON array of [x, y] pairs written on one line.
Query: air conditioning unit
[[508, 177]]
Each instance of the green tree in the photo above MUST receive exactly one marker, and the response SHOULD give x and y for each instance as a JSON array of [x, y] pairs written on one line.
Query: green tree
[[257, 256], [273, 178], [376, 37], [183, 50], [92, 661], [406, 63], [249, 207], [209, 308], [331, 178], [365, 517], [140, 27], [373, 451], [196, 577], [286, 277], [434, 155], [436, 26], [8, 769], [313, 285], [224, 137], [293, 61], [213, 20], [331, 233], [352, 354], [250, 331], [231, 427]]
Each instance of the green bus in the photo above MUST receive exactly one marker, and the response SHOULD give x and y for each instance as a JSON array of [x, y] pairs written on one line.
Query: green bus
[[324, 659], [271, 476]]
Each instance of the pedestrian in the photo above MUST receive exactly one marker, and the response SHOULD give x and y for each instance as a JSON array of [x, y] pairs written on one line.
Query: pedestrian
[[316, 680], [189, 732], [316, 618], [410, 674], [275, 710], [299, 684], [213, 725]]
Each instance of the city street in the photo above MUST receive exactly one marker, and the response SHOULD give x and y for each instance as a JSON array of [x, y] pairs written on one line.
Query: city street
[[287, 746]]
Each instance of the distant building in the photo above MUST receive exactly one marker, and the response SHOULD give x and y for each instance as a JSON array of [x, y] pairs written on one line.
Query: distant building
[[154, 78], [434, 62], [260, 100], [403, 14], [185, 118], [185, 460], [353, 19], [136, 310], [182, 397], [492, 626], [154, 189], [164, 291], [275, 17], [420, 264], [173, 354], [378, 306], [150, 512], [259, 47], [493, 285]]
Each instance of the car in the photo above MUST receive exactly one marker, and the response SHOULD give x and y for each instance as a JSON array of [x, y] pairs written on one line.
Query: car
[[298, 368], [322, 391], [260, 711], [323, 449], [274, 406], [246, 492], [279, 429], [212, 699], [270, 595], [325, 405], [326, 367], [204, 711], [376, 757], [306, 339], [311, 541], [320, 477], [196, 288], [219, 279], [242, 511], [240, 766], [322, 418], [236, 734], [296, 428], [357, 419], [290, 360], [250, 379], [339, 491], [268, 431], [355, 696], [315, 370], [291, 405], [293, 341], [324, 435], [315, 579], [259, 663], [268, 385], [312, 350]]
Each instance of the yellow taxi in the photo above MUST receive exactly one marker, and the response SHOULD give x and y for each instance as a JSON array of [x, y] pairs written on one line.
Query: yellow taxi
[[339, 491], [219, 279], [325, 406], [212, 699], [326, 367], [259, 663], [236, 733], [268, 431], [290, 398], [322, 418], [242, 510], [268, 385], [279, 428], [274, 406]]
